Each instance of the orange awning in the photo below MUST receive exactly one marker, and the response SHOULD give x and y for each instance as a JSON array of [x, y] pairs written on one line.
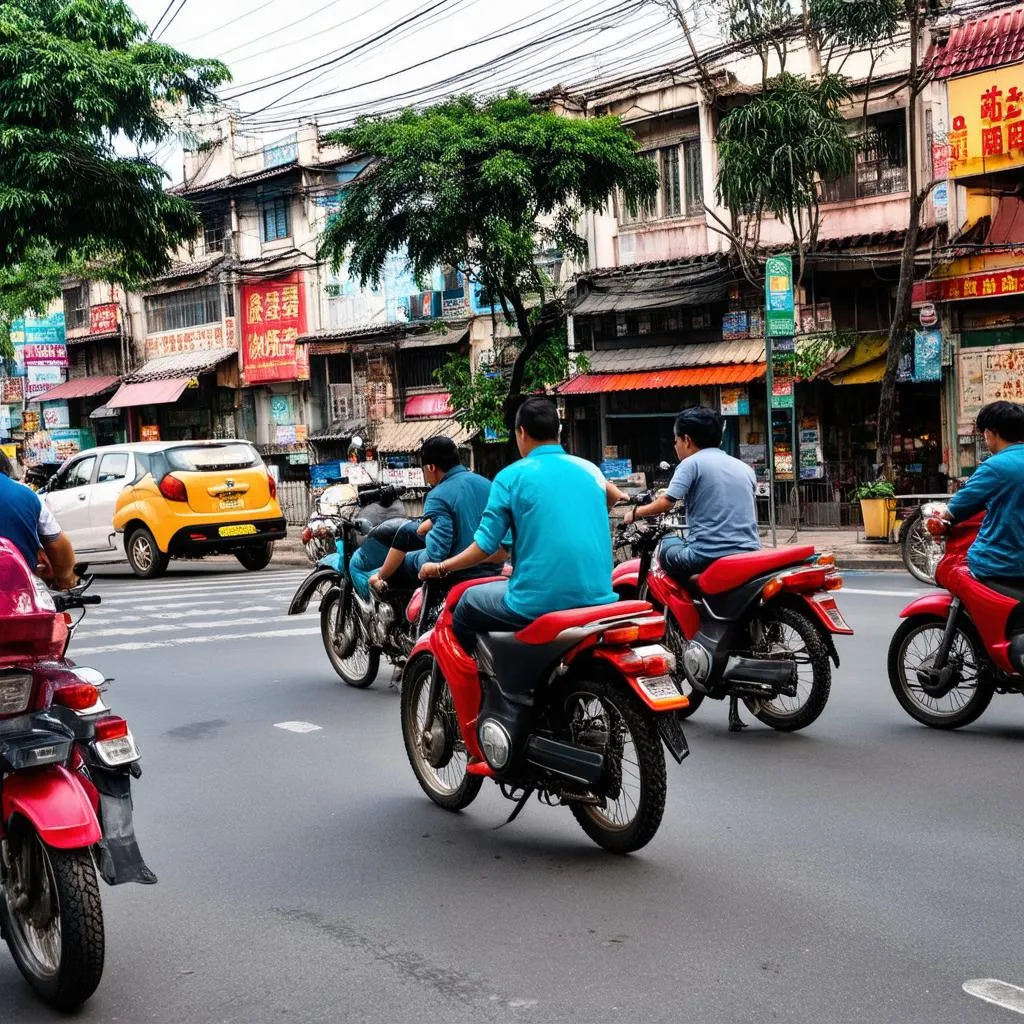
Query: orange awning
[[600, 383], [149, 392]]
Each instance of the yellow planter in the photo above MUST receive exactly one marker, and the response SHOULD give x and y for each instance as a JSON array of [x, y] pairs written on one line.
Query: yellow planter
[[879, 517]]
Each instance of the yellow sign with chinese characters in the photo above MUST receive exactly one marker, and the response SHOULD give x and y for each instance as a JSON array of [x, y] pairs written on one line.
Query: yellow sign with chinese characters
[[986, 122]]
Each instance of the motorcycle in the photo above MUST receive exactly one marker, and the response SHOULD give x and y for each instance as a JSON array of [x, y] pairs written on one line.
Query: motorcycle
[[574, 707], [320, 534], [66, 764], [958, 647], [756, 627]]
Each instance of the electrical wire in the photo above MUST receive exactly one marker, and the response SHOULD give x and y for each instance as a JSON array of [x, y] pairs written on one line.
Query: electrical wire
[[228, 24], [170, 20], [156, 24]]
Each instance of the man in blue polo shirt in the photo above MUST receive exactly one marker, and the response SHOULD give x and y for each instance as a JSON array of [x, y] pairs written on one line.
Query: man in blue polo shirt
[[556, 507]]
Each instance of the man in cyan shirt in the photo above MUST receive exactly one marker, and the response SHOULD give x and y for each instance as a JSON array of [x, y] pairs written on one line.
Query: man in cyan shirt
[[556, 507], [997, 487], [719, 492]]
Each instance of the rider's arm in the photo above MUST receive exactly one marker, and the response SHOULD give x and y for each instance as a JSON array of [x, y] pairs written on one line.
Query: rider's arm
[[59, 552], [613, 494], [494, 525], [655, 508], [441, 536], [975, 495]]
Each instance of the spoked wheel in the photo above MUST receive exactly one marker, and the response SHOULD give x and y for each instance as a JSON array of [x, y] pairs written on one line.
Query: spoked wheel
[[787, 635], [438, 756], [52, 917], [346, 645], [912, 649], [920, 551], [604, 717]]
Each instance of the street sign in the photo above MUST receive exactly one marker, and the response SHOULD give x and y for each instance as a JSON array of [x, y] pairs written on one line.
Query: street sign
[[779, 320]]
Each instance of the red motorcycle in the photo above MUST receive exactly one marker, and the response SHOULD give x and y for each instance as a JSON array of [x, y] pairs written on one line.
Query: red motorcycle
[[755, 627], [957, 648], [66, 765], [574, 707]]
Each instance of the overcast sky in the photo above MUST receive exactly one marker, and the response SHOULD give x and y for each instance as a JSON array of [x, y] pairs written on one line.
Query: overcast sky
[[295, 59]]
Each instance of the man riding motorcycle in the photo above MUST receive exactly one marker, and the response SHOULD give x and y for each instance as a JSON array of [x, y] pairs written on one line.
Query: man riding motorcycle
[[997, 487], [29, 525], [556, 507], [719, 491]]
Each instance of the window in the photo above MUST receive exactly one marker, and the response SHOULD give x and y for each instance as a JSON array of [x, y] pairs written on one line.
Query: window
[[274, 219], [209, 457], [339, 369], [113, 466], [416, 366], [880, 162], [452, 280], [76, 307], [680, 187], [80, 473], [213, 236], [189, 308]]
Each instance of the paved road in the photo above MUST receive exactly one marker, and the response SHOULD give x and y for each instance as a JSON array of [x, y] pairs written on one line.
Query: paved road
[[859, 872]]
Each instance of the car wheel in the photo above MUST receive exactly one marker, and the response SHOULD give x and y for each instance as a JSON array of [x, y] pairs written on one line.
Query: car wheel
[[144, 556], [256, 558]]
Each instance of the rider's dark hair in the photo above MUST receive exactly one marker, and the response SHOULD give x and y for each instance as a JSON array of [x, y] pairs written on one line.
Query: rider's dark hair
[[439, 451], [539, 418], [1003, 418], [703, 425]]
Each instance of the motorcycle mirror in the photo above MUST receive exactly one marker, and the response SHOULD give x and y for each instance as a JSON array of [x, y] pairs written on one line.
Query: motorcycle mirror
[[663, 465], [81, 568]]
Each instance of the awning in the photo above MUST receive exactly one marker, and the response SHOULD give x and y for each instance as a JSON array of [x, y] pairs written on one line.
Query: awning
[[432, 339], [81, 388], [104, 412], [864, 363], [181, 365], [601, 383], [434, 406], [631, 358], [409, 437], [150, 392], [632, 289]]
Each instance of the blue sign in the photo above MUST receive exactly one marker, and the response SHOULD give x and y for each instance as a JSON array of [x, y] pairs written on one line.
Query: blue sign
[[326, 473], [617, 469], [927, 355], [284, 151]]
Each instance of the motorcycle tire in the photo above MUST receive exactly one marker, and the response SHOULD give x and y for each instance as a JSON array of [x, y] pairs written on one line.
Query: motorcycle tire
[[964, 641], [458, 789], [919, 551], [816, 656], [627, 837], [359, 667], [75, 976]]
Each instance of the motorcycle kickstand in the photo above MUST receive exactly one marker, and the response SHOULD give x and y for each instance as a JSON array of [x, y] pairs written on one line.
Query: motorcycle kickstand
[[517, 810], [736, 724]]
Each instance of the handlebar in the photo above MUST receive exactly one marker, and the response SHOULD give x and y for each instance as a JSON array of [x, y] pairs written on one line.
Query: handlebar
[[76, 597], [385, 495]]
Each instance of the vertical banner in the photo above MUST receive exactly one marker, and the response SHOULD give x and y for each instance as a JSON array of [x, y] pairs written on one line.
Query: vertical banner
[[273, 317], [780, 381]]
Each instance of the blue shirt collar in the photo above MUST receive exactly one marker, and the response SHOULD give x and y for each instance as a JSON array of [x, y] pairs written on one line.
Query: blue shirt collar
[[454, 471], [547, 449]]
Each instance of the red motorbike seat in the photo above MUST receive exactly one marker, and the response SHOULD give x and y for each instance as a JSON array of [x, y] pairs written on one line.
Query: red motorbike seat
[[547, 628], [735, 570]]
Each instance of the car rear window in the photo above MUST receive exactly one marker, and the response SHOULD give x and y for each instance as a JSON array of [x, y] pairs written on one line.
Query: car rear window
[[206, 457]]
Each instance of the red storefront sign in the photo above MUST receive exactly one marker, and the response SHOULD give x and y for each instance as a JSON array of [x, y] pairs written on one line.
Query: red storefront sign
[[103, 319], [273, 317], [986, 285]]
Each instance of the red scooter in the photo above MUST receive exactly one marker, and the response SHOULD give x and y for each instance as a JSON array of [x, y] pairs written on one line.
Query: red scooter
[[66, 765], [574, 707], [755, 627], [958, 647]]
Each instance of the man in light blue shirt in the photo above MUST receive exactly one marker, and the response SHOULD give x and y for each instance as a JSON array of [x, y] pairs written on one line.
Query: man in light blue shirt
[[719, 492], [556, 507]]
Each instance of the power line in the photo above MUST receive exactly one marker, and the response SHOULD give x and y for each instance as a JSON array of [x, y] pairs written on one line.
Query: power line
[[227, 24], [156, 24], [170, 20]]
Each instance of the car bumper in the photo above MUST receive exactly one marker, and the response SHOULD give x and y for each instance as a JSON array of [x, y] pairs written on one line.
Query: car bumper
[[206, 538]]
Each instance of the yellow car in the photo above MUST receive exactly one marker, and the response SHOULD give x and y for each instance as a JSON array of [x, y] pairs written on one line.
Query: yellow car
[[194, 498]]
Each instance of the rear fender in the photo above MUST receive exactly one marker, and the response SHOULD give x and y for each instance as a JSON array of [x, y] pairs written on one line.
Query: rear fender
[[626, 579], [930, 604], [300, 602], [56, 804], [652, 691]]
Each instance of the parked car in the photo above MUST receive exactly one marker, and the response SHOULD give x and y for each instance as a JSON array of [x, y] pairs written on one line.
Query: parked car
[[148, 502]]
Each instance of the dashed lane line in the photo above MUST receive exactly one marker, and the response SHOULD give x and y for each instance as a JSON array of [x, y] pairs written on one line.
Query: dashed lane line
[[999, 993], [267, 634]]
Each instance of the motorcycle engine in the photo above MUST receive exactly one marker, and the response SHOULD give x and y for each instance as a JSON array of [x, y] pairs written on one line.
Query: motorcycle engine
[[697, 665], [384, 622]]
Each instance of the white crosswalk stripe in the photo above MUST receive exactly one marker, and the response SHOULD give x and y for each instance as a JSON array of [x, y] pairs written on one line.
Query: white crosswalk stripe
[[138, 615]]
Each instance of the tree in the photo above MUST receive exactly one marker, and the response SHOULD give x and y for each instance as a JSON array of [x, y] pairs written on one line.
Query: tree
[[481, 187], [79, 80]]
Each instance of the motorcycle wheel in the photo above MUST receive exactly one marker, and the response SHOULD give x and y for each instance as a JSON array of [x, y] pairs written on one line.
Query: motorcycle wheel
[[920, 551], [52, 918], [791, 636], [359, 664], [440, 764], [601, 710], [911, 648]]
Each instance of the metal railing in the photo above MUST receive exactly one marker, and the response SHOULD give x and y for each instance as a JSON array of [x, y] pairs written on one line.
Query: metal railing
[[295, 501]]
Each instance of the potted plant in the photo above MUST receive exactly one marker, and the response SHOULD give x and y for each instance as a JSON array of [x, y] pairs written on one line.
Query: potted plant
[[878, 508]]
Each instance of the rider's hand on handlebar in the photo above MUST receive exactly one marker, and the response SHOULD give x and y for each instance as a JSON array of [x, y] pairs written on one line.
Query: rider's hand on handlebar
[[630, 517]]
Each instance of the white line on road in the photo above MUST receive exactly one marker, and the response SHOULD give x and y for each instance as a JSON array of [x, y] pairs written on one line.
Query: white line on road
[[243, 579], [158, 611], [213, 595], [176, 627], [297, 726], [79, 652], [1001, 993], [883, 593]]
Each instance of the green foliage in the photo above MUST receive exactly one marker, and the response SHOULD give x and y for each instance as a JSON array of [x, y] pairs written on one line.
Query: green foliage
[[774, 150], [76, 75], [875, 489], [749, 20], [866, 23], [29, 286], [814, 350]]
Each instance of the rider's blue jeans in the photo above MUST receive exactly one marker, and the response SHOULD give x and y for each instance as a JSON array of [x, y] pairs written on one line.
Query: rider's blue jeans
[[482, 609]]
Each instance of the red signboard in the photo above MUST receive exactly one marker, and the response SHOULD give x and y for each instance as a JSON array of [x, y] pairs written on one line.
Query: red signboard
[[273, 317], [103, 319], [986, 285]]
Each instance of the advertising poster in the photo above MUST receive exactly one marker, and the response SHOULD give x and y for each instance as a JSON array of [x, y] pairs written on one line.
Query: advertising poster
[[273, 317]]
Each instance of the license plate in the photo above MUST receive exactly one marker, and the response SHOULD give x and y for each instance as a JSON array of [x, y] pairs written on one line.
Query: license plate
[[659, 688], [226, 503], [243, 530]]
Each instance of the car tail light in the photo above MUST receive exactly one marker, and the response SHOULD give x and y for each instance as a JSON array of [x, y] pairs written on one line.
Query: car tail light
[[272, 484], [15, 691], [173, 489], [113, 742], [77, 696]]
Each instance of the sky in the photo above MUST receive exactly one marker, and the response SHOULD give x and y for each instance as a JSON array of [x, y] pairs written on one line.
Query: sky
[[296, 60]]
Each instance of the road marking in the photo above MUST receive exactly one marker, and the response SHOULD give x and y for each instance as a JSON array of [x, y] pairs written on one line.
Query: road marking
[[882, 593], [243, 578], [213, 597], [79, 652], [1001, 993], [297, 726], [174, 627]]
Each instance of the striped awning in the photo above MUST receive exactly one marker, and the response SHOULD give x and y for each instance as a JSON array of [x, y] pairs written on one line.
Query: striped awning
[[602, 383]]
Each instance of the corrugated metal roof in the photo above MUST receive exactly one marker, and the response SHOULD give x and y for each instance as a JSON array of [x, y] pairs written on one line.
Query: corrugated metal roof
[[233, 181], [181, 364], [82, 387], [601, 383], [192, 269], [653, 286], [670, 357], [408, 437], [988, 42]]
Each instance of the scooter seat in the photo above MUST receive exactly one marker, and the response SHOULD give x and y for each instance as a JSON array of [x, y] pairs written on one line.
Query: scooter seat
[[547, 628], [735, 570]]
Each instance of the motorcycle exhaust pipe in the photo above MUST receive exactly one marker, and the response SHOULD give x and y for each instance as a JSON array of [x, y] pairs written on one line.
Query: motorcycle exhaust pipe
[[766, 676], [564, 759]]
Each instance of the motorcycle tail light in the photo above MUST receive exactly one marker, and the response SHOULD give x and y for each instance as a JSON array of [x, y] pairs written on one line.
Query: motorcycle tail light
[[111, 727], [826, 559], [833, 581], [15, 691], [77, 696], [771, 588], [113, 742], [650, 628]]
